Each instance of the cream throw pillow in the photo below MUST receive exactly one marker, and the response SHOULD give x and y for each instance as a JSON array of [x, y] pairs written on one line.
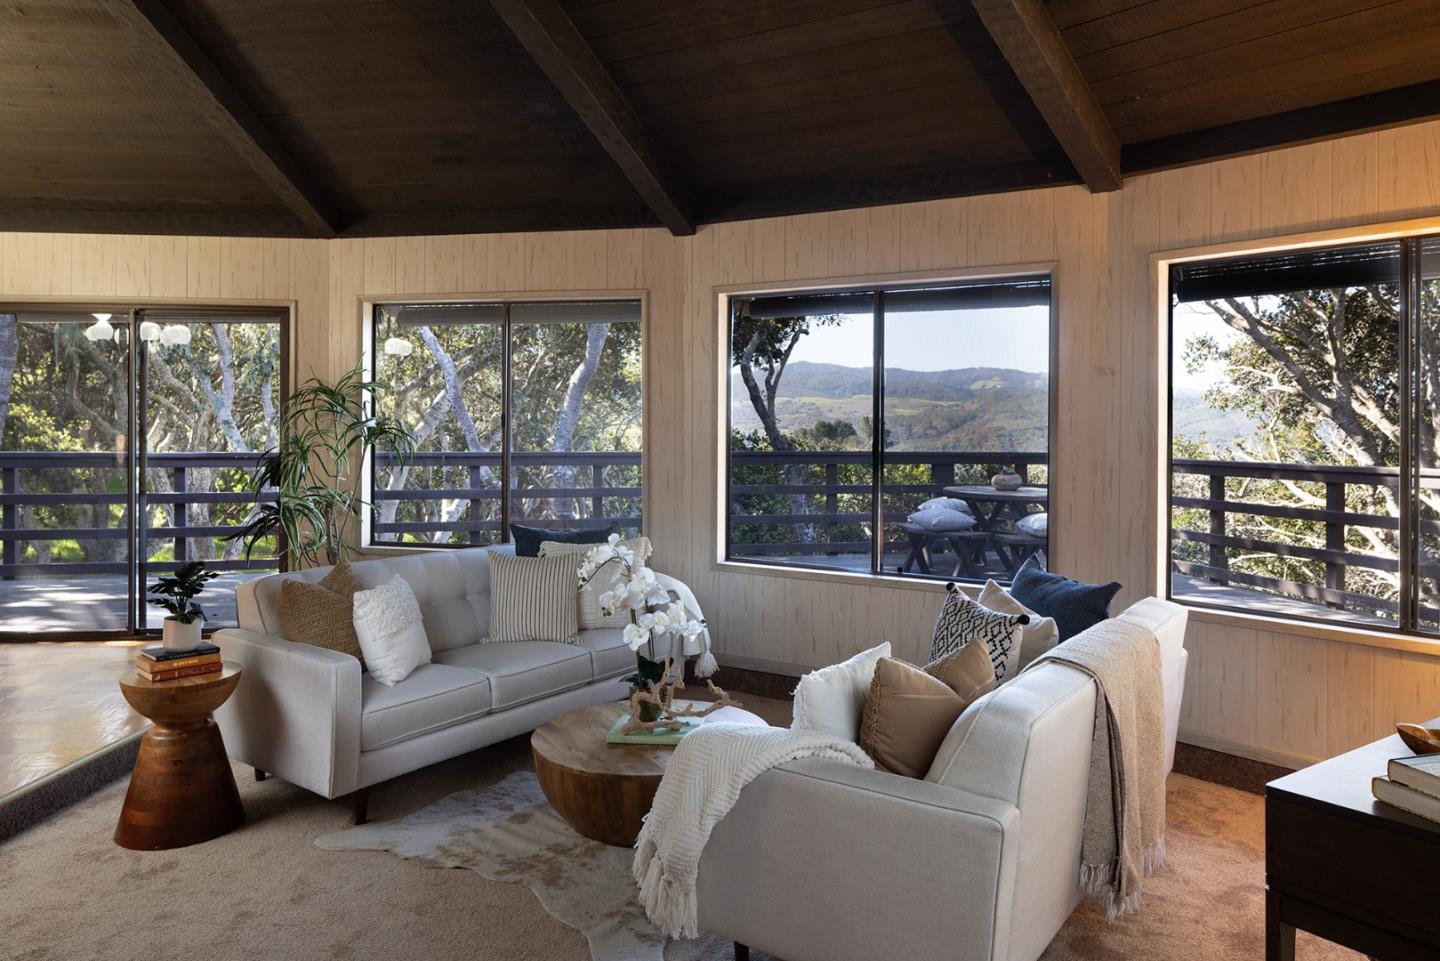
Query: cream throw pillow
[[591, 617], [391, 631], [829, 701], [533, 599], [1037, 637]]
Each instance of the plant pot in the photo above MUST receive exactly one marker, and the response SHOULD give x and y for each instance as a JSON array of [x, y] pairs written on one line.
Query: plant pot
[[179, 636]]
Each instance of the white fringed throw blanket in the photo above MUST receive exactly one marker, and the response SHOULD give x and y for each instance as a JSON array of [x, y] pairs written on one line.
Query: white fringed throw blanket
[[1124, 835], [710, 766]]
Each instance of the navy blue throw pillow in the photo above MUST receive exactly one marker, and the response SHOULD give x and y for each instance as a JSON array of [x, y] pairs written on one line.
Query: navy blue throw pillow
[[528, 539], [1074, 605]]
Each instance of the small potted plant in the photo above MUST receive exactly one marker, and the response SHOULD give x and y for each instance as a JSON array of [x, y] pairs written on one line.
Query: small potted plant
[[177, 594]]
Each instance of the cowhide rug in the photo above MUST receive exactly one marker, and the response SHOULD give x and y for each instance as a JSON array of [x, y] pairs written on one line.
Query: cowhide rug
[[508, 832]]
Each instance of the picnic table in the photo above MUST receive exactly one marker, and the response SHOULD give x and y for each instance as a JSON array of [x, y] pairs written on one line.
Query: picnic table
[[991, 507]]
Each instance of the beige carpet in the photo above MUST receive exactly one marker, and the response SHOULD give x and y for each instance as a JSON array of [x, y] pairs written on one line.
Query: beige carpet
[[266, 890]]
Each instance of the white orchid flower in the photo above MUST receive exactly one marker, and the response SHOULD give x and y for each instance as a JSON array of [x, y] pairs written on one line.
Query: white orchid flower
[[660, 622], [635, 636]]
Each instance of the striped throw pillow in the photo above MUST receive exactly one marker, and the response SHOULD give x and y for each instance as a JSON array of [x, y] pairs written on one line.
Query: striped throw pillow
[[533, 599]]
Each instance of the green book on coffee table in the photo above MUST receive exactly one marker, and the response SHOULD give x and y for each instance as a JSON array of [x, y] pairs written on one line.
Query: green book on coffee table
[[646, 737]]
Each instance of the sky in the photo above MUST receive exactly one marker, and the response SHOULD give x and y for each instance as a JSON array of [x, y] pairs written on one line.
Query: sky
[[1016, 338], [1187, 322]]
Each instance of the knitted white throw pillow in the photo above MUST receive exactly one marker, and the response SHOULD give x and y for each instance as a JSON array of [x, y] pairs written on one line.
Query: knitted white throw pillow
[[391, 632], [830, 700]]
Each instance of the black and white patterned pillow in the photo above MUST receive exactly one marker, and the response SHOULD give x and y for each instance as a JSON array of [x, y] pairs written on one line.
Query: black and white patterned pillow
[[962, 622]]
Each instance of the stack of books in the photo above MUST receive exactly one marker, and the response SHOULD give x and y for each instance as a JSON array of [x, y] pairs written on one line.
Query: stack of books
[[1413, 785], [158, 664]]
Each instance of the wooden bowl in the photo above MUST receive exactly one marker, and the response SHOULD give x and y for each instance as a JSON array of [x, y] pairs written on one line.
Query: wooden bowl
[[1421, 740]]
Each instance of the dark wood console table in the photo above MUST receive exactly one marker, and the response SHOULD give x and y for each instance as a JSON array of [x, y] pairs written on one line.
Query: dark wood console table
[[1343, 866]]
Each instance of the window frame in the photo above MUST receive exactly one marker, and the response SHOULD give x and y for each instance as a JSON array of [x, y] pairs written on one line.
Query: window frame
[[369, 305], [1409, 237], [879, 283]]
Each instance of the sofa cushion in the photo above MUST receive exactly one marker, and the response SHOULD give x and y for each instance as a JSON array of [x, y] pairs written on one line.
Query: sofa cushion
[[533, 599], [522, 671], [1075, 605], [610, 656], [907, 715], [434, 696], [321, 614], [527, 540]]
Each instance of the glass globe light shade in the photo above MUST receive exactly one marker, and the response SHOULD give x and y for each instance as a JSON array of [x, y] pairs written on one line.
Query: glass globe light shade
[[149, 331], [175, 335], [398, 347], [100, 330]]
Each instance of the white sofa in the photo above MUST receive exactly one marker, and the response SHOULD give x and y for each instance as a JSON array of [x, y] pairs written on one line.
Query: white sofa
[[309, 716], [820, 861]]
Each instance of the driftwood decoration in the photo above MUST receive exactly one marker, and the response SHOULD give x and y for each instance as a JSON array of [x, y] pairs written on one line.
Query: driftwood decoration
[[661, 696]]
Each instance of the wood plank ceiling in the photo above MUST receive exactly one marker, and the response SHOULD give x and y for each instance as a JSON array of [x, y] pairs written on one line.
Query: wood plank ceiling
[[363, 117]]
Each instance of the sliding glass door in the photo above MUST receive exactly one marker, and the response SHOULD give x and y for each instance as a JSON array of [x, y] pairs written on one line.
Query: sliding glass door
[[65, 488], [127, 440], [210, 390]]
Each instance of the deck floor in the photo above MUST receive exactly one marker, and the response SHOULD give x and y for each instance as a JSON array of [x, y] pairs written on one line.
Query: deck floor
[[86, 604]]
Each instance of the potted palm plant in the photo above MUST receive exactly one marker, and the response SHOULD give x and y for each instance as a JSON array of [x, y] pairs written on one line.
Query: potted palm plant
[[177, 594], [326, 431]]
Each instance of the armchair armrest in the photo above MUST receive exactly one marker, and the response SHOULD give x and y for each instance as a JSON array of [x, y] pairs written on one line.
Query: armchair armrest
[[296, 712], [820, 861]]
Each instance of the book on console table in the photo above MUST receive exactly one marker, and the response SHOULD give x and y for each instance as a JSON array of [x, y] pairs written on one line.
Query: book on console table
[[1406, 798], [1421, 772], [650, 737], [171, 674]]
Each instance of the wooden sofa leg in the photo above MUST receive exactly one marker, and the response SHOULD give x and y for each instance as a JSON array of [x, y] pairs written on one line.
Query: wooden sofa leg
[[362, 805], [742, 952], [260, 775]]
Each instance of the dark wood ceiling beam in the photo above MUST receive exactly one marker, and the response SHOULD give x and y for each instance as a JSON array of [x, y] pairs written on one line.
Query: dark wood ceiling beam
[[1339, 118], [558, 48], [1032, 44], [225, 110]]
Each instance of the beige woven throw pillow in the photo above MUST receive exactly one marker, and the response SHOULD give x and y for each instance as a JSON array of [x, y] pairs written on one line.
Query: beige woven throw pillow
[[321, 613]]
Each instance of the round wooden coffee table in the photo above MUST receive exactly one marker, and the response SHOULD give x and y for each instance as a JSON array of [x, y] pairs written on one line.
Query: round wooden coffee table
[[602, 790], [182, 790]]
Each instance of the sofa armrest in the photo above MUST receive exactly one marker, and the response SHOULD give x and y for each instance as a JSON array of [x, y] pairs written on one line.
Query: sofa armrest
[[821, 861], [296, 711]]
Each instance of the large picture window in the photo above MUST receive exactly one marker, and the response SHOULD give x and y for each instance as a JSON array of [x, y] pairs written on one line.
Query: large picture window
[[866, 426], [1303, 434], [525, 412]]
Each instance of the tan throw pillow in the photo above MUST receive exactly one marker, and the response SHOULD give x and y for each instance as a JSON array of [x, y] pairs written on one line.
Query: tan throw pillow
[[1037, 637], [533, 599], [909, 711], [968, 672], [321, 614], [605, 579]]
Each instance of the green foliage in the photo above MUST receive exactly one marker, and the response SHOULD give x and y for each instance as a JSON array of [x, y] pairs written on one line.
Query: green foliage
[[325, 431], [177, 592]]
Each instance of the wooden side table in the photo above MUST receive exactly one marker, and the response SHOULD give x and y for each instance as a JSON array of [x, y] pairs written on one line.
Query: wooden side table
[[182, 790], [1342, 865]]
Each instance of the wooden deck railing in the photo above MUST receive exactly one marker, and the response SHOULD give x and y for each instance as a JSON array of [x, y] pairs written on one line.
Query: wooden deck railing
[[14, 495], [1333, 519], [822, 486], [482, 492]]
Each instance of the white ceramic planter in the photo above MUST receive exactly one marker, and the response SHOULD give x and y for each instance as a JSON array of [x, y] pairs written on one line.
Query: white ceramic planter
[[179, 636]]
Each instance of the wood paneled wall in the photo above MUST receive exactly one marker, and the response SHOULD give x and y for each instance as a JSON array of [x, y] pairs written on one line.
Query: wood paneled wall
[[1275, 692]]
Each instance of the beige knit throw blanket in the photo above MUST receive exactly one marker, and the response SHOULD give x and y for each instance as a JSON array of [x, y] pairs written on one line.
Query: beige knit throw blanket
[[1124, 839], [701, 784]]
